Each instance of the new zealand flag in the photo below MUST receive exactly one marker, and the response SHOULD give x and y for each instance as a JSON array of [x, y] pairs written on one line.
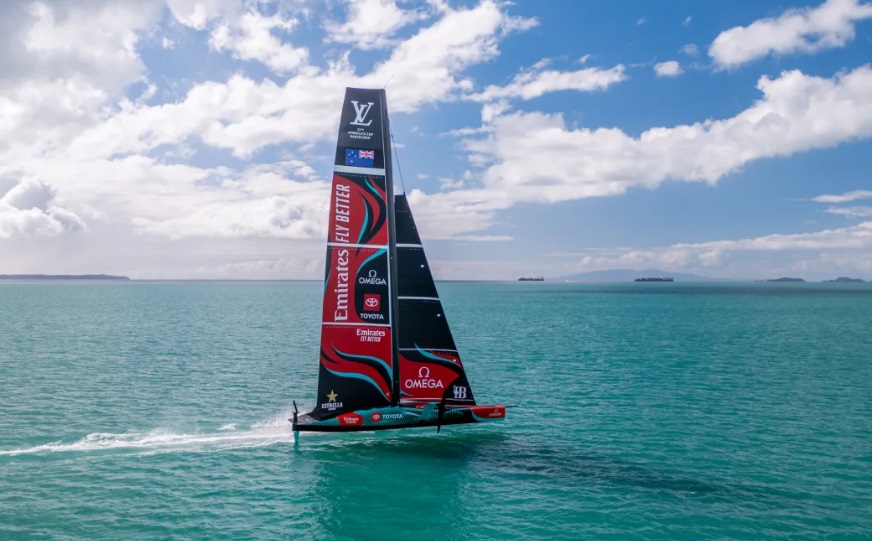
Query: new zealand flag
[[359, 158]]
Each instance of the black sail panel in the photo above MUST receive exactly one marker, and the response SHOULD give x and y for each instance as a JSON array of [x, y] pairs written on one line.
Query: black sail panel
[[430, 368], [414, 274], [407, 232]]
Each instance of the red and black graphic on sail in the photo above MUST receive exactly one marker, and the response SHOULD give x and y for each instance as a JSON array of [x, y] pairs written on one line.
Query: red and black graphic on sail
[[356, 286], [358, 210], [428, 375], [355, 371]]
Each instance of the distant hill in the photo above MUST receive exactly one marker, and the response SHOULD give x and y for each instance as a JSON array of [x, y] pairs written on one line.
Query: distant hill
[[844, 279], [628, 275], [785, 279], [61, 277]]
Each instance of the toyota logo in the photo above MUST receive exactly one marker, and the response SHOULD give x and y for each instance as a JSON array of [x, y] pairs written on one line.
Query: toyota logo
[[372, 302]]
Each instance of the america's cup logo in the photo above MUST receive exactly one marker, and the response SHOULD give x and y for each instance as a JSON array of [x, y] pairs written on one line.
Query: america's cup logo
[[360, 112]]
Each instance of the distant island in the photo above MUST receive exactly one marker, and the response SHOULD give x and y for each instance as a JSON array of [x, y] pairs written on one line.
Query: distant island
[[846, 280], [785, 279], [531, 279], [61, 277], [655, 279]]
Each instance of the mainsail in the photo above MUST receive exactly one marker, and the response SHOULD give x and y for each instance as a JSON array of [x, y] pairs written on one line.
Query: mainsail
[[387, 357], [357, 338]]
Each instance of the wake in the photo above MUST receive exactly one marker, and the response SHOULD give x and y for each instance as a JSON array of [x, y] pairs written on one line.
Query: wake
[[276, 430]]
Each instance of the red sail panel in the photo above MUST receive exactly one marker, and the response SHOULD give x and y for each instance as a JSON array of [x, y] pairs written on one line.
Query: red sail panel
[[430, 376], [356, 370], [356, 288], [358, 213]]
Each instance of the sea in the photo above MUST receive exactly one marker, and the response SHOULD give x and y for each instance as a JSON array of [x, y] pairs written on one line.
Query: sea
[[159, 410]]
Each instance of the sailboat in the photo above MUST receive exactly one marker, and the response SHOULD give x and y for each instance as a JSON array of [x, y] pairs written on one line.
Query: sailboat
[[388, 359]]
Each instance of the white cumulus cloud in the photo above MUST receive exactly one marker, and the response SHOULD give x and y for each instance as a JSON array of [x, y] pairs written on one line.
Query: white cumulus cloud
[[807, 30], [27, 210], [252, 37], [669, 68], [371, 23], [532, 156]]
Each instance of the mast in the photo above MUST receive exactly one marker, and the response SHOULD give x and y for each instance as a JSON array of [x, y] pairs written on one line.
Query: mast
[[392, 249]]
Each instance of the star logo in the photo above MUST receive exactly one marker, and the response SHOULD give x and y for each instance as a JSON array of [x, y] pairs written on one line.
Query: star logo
[[331, 396]]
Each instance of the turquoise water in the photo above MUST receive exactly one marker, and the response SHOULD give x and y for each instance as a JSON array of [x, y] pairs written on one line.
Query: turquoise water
[[647, 411]]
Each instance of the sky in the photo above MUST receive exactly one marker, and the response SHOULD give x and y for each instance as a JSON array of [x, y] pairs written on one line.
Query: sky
[[193, 139]]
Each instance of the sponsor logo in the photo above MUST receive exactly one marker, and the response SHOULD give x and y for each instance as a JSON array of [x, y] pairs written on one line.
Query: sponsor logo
[[360, 112], [342, 211], [372, 316], [376, 416], [350, 419], [341, 289], [424, 381], [371, 335], [372, 279], [392, 416], [331, 403], [371, 302], [496, 413], [459, 392]]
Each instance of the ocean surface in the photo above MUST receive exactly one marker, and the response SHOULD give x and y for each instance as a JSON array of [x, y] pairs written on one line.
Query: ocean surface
[[645, 411]]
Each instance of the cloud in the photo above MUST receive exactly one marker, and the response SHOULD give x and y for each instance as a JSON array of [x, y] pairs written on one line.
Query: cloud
[[670, 68], [640, 21], [690, 49], [262, 202], [243, 116], [851, 211], [533, 156], [197, 14], [687, 20], [96, 132], [26, 210], [371, 23], [534, 83], [457, 214], [807, 30], [422, 68], [284, 199], [251, 38], [51, 41], [117, 161], [843, 198], [776, 254], [853, 237]]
